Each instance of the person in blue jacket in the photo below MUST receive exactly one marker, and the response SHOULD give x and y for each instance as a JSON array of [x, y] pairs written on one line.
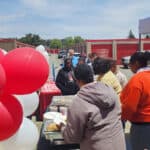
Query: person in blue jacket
[[73, 57]]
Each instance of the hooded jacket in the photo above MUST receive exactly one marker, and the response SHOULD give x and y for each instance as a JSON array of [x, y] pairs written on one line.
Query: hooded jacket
[[93, 119]]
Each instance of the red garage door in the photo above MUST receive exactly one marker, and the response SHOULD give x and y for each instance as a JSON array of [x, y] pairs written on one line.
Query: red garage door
[[125, 50], [103, 50], [146, 46]]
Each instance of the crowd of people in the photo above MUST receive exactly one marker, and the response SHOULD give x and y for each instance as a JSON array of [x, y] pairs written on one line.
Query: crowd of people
[[104, 100]]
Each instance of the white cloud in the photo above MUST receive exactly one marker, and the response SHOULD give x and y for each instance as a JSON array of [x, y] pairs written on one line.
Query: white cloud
[[52, 8], [11, 17], [61, 18]]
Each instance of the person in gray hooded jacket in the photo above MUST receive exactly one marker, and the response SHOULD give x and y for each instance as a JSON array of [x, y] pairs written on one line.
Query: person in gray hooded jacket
[[94, 117]]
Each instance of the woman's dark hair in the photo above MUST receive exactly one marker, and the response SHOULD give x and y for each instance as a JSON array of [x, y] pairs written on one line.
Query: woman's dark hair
[[66, 62], [101, 65], [84, 73], [81, 59], [141, 57]]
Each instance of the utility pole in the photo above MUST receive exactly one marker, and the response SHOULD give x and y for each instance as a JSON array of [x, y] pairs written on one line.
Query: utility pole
[[139, 46]]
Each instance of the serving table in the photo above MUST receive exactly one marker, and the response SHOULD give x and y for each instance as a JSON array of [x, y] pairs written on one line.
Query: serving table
[[46, 93], [53, 140]]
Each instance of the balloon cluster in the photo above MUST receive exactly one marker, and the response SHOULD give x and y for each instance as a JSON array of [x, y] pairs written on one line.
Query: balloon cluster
[[22, 72]]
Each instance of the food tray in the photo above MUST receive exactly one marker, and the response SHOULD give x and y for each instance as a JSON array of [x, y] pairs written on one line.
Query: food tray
[[46, 123], [51, 135]]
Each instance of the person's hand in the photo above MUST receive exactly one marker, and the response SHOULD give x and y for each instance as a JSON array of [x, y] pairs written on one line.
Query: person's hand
[[60, 125]]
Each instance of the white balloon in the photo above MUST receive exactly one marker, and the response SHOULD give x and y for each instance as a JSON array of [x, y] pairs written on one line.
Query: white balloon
[[40, 48], [26, 138], [29, 103], [43, 51], [4, 51]]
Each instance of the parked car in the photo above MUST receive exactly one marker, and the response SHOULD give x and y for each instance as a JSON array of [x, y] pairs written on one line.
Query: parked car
[[125, 61], [77, 54], [62, 54]]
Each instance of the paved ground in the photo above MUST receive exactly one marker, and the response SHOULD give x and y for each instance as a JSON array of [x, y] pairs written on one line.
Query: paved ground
[[129, 74]]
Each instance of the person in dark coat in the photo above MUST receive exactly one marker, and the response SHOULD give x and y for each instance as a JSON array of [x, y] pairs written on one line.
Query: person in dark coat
[[65, 79]]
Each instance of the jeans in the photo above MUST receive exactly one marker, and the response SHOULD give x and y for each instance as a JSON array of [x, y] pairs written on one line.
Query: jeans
[[140, 136]]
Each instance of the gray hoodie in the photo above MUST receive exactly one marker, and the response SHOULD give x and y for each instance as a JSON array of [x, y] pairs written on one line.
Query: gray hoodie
[[93, 119]]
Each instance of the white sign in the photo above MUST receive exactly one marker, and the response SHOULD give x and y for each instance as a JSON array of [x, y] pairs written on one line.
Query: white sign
[[144, 26]]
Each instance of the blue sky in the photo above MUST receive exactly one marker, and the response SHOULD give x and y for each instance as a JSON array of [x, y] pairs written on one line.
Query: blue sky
[[90, 19]]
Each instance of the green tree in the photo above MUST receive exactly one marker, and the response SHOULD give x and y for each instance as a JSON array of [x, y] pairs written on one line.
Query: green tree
[[78, 39], [32, 39], [147, 36], [68, 42], [131, 35], [56, 43]]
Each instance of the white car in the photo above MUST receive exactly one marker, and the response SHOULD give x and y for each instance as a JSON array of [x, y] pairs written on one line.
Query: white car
[[77, 54], [62, 54], [125, 61]]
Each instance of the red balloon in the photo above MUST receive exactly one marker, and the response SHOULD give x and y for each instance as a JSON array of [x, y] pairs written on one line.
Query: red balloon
[[26, 70], [11, 115], [1, 55], [2, 77]]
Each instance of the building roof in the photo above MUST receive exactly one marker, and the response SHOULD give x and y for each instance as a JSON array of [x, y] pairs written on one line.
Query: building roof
[[110, 40]]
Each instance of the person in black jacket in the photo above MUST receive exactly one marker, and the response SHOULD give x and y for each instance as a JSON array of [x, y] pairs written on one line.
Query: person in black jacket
[[65, 79]]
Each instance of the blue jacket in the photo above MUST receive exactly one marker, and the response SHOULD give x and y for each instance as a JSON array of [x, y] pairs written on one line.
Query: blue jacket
[[75, 60]]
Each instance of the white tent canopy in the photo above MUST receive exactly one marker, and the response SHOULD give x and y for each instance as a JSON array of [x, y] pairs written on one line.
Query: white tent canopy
[[144, 26]]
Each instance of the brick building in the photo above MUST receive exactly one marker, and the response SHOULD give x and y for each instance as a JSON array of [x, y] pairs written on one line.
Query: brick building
[[9, 44]]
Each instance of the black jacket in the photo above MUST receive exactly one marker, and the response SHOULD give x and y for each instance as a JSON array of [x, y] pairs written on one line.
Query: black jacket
[[67, 86]]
